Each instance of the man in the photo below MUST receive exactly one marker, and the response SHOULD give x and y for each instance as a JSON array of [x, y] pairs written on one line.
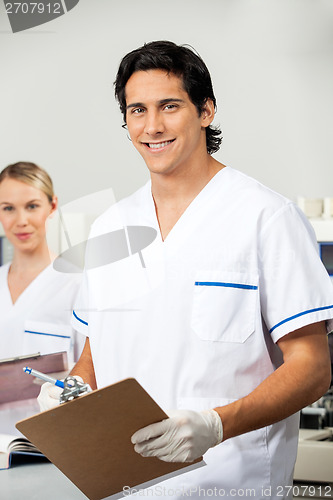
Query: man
[[226, 321]]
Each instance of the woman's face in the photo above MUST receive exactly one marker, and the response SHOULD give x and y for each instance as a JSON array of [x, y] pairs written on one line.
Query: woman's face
[[24, 210]]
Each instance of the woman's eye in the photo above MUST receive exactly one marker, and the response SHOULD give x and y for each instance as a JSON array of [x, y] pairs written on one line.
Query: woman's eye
[[8, 209], [32, 206]]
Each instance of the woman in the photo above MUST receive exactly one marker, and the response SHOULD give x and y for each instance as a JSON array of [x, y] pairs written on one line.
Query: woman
[[35, 300]]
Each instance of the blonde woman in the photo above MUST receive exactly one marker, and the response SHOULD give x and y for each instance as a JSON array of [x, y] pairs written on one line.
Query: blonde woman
[[35, 300]]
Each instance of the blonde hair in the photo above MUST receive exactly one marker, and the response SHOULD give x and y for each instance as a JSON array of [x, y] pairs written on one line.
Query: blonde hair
[[31, 174]]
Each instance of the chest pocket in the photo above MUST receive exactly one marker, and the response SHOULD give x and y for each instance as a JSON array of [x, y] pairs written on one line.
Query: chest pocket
[[224, 306], [47, 337]]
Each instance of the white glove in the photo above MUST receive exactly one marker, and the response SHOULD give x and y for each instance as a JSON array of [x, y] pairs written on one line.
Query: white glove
[[49, 395], [183, 437]]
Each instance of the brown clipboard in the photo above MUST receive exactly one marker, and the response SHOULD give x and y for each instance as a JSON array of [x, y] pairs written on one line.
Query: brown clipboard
[[89, 440]]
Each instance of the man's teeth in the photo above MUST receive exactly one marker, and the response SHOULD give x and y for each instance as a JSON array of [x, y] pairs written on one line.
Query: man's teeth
[[159, 144]]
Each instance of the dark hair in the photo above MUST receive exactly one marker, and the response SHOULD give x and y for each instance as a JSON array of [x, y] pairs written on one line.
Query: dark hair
[[182, 62]]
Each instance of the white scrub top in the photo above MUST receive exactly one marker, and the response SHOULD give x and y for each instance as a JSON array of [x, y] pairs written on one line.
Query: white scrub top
[[198, 325], [39, 320]]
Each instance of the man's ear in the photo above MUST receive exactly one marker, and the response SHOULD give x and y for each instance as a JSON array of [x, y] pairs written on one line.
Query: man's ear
[[208, 113]]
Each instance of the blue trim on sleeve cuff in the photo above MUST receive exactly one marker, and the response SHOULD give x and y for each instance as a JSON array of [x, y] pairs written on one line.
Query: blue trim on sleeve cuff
[[300, 314], [228, 285], [79, 319]]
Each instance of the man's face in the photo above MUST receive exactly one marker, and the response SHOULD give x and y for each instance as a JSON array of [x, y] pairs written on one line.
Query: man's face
[[163, 123]]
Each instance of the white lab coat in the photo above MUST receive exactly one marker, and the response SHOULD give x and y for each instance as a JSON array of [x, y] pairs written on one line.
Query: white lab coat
[[198, 326], [39, 320]]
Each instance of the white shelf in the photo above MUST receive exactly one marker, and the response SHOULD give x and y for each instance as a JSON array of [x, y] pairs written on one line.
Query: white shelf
[[323, 228]]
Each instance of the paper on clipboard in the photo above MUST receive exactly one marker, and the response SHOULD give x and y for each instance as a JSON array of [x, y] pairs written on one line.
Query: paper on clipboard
[[88, 439]]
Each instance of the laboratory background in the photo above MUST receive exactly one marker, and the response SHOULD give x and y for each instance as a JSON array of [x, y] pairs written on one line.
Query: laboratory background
[[271, 63]]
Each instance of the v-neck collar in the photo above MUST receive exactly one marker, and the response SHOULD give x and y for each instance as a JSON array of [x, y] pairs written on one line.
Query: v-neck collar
[[205, 193], [27, 290]]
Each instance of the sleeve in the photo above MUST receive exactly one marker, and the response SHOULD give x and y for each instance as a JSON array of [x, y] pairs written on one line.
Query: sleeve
[[110, 220], [78, 340], [80, 315], [295, 288]]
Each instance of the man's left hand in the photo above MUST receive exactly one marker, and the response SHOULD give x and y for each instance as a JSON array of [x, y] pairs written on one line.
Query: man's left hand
[[185, 436]]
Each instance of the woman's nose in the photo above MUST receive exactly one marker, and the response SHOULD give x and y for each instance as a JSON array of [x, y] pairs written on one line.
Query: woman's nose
[[22, 218]]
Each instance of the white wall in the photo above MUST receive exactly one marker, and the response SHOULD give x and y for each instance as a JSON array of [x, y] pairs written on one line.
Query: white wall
[[272, 66]]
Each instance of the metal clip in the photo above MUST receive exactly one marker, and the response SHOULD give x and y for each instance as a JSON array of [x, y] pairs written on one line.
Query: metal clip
[[73, 389]]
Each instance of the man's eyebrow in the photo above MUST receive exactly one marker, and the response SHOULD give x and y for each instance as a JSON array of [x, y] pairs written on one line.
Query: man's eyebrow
[[171, 99], [162, 101], [135, 105]]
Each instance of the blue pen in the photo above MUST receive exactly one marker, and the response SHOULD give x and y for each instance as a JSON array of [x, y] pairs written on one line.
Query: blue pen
[[44, 377]]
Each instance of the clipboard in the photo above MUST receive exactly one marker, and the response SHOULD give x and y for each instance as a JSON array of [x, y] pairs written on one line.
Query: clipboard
[[89, 440], [15, 386]]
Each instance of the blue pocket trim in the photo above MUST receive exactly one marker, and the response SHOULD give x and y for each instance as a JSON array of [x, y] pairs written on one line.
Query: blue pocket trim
[[47, 334], [228, 285], [309, 311], [79, 319]]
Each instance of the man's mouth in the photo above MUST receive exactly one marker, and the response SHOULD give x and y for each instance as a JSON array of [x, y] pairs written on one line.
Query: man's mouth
[[158, 145]]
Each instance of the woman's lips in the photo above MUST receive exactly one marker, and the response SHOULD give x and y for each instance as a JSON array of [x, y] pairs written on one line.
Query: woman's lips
[[23, 236]]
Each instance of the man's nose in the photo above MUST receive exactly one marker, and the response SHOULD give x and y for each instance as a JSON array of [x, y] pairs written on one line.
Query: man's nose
[[154, 123]]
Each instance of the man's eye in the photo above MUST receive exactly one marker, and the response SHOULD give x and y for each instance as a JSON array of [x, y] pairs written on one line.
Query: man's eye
[[137, 111], [170, 106]]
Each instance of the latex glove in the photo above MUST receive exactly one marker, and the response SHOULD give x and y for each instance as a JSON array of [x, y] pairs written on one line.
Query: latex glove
[[183, 437], [49, 395]]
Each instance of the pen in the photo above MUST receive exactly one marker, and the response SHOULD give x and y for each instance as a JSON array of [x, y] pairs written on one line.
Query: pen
[[42, 376]]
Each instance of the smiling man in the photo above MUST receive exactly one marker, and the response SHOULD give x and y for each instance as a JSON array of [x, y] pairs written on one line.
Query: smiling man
[[226, 324], [170, 134]]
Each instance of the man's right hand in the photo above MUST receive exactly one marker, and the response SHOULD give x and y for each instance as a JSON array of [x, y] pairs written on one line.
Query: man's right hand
[[49, 396]]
